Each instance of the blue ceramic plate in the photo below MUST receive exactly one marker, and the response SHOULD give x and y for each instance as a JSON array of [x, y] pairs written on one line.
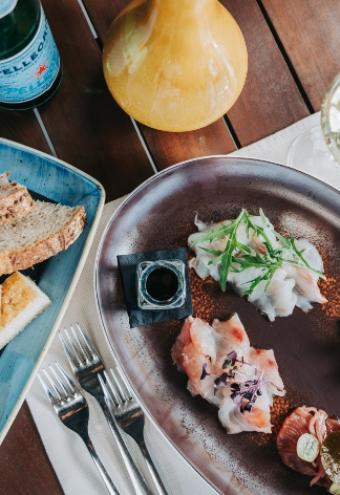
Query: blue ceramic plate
[[48, 178]]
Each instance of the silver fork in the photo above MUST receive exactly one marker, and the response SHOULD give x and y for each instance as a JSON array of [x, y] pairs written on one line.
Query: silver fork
[[129, 416], [72, 409], [87, 365]]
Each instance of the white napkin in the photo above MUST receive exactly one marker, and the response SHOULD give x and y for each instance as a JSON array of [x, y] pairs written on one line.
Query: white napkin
[[64, 448]]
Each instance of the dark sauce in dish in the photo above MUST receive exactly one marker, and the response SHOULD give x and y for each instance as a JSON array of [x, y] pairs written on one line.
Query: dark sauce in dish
[[162, 284]]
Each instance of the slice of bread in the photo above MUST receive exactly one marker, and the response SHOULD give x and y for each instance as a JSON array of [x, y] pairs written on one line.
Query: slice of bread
[[15, 200], [21, 302], [45, 231]]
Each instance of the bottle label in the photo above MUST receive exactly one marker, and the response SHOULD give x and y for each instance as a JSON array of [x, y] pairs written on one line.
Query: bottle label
[[6, 7], [31, 72]]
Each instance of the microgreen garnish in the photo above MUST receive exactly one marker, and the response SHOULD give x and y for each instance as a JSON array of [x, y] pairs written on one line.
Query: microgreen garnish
[[230, 360], [243, 247], [227, 256], [213, 252], [237, 256], [259, 231], [222, 379], [299, 254], [265, 277], [204, 371], [245, 394], [214, 234]]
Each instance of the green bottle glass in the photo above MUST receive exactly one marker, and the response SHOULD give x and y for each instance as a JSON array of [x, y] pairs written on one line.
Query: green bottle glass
[[30, 67]]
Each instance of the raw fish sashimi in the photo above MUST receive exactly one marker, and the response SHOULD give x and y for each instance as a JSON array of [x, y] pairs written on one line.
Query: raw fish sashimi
[[274, 272], [225, 370]]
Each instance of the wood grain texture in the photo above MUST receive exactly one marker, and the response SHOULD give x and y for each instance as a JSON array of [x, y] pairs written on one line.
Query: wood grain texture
[[24, 466], [270, 99], [166, 148], [86, 126], [309, 31], [169, 148], [22, 127]]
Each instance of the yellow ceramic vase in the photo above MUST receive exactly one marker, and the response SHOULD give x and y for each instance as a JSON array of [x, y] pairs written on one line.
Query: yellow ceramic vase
[[175, 65]]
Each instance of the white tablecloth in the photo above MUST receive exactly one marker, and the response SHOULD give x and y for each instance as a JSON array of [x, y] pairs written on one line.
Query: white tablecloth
[[65, 450]]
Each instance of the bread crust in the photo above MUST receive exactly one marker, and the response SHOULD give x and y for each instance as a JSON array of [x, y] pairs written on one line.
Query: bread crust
[[31, 254], [16, 204]]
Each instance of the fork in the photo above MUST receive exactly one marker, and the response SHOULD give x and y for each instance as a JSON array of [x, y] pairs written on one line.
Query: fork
[[72, 409], [129, 415], [87, 365]]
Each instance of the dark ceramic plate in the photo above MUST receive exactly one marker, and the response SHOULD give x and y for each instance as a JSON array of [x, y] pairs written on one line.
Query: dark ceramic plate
[[159, 215]]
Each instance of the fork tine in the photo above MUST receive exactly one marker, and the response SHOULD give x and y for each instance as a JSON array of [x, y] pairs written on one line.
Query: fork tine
[[69, 349], [67, 380], [74, 414], [107, 395], [114, 392], [53, 391], [44, 385], [120, 385], [78, 346], [87, 344], [124, 382], [60, 382], [48, 391]]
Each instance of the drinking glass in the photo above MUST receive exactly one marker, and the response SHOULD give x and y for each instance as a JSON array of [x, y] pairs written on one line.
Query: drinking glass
[[318, 149], [330, 118]]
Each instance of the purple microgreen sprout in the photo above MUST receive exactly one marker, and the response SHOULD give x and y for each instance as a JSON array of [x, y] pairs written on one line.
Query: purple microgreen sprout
[[204, 371], [245, 394], [222, 379], [230, 360]]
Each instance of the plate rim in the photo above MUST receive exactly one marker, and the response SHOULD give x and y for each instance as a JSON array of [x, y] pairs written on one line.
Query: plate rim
[[183, 163], [81, 263], [115, 213]]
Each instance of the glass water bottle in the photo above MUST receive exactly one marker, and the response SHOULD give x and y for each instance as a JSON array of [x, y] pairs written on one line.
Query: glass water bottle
[[30, 68]]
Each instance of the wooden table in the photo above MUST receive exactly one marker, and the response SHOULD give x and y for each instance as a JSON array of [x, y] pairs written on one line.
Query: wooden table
[[294, 53]]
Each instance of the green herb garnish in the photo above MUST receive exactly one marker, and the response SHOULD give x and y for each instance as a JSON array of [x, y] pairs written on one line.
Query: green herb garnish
[[213, 252], [227, 256], [214, 234], [237, 256], [299, 254], [259, 231], [268, 264]]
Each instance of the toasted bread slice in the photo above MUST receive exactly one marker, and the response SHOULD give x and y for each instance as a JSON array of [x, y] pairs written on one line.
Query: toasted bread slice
[[45, 231], [15, 200], [21, 302]]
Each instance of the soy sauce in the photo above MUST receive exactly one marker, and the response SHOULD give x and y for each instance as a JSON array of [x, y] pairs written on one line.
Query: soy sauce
[[162, 284]]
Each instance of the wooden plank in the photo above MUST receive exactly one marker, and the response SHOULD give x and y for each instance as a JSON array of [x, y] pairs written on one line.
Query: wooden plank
[[309, 31], [86, 127], [169, 148], [22, 127], [24, 466], [270, 99], [166, 148]]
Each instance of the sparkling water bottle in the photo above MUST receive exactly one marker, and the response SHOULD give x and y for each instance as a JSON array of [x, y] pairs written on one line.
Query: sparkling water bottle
[[30, 68]]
